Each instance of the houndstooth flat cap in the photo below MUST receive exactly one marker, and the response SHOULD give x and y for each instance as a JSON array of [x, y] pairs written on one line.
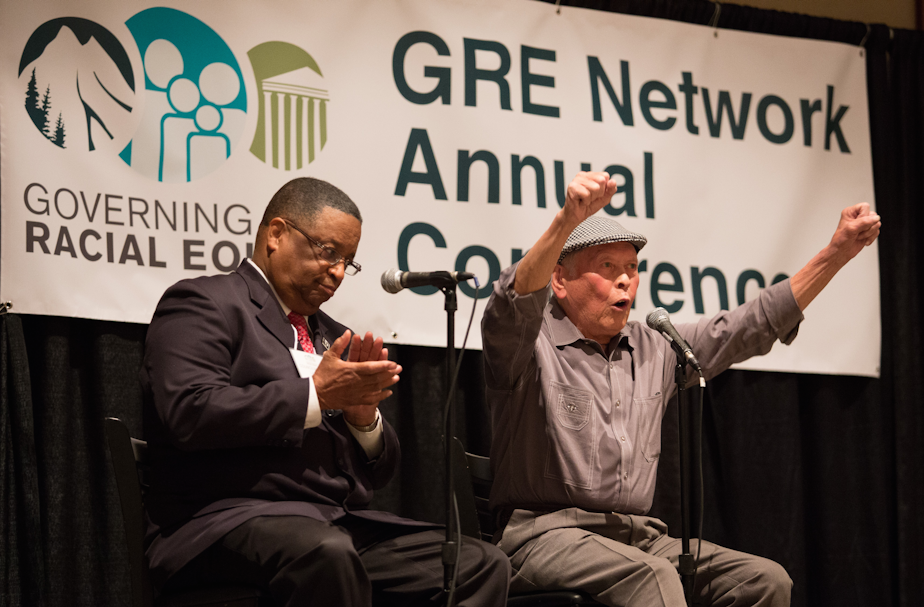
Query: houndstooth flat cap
[[597, 230]]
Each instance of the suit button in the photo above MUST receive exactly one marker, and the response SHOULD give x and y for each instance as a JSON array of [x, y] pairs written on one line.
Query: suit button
[[286, 442]]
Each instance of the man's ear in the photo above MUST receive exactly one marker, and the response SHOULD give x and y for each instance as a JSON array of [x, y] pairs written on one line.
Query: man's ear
[[558, 282], [274, 233]]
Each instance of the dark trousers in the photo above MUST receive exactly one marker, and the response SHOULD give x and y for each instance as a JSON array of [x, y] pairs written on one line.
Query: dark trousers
[[351, 562]]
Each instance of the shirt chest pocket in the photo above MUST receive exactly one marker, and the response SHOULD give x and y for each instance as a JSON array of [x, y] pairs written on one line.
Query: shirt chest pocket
[[572, 441], [572, 405], [649, 426]]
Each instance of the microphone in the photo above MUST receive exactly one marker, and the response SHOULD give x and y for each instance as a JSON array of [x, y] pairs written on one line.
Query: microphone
[[395, 280], [661, 322]]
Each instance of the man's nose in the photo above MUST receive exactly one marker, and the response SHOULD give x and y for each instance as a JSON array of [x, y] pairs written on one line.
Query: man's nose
[[338, 271]]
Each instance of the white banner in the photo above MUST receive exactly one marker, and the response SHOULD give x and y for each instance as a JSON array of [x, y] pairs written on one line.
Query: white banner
[[140, 146]]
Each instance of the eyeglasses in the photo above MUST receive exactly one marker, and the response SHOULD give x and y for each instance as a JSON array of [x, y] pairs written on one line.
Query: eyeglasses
[[329, 255]]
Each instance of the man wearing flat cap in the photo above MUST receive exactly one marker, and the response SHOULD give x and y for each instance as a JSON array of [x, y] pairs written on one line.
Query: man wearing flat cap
[[577, 394]]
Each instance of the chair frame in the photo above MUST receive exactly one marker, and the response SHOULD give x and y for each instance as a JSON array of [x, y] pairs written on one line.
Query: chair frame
[[129, 464], [477, 520]]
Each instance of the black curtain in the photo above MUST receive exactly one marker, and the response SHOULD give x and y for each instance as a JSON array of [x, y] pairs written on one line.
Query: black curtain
[[823, 474]]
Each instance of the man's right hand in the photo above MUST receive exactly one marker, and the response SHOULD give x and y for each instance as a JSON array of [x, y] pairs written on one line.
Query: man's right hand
[[357, 385], [587, 193]]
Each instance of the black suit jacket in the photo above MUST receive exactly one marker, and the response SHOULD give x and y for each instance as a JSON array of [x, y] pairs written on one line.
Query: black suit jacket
[[224, 415]]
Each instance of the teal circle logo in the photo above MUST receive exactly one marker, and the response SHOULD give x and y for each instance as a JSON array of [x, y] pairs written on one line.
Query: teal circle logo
[[195, 103]]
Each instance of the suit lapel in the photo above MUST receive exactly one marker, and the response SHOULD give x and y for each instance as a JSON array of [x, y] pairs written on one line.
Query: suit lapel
[[324, 329], [321, 339], [269, 312]]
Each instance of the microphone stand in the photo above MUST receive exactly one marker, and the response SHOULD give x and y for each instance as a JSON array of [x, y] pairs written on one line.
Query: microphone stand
[[687, 565], [449, 546], [446, 282]]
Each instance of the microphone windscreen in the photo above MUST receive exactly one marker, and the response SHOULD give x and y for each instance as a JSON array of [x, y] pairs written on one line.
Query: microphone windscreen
[[656, 317], [391, 281]]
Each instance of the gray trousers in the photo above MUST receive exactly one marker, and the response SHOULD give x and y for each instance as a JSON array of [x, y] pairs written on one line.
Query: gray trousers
[[630, 561]]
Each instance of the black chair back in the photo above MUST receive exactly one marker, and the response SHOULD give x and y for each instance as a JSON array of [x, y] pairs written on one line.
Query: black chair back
[[476, 520], [130, 463], [479, 467], [123, 455]]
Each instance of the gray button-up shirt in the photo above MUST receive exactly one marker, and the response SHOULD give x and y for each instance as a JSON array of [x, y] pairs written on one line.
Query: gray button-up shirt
[[577, 427]]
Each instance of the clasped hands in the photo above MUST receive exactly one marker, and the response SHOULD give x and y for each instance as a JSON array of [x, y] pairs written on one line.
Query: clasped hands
[[356, 385]]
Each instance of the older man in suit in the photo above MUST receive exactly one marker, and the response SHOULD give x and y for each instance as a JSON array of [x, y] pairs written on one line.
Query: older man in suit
[[261, 413]]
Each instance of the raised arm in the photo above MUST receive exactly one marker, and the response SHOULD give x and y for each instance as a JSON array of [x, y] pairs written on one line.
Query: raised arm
[[857, 228], [587, 194]]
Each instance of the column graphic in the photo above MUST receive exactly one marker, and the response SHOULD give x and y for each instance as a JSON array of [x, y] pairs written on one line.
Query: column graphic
[[292, 124]]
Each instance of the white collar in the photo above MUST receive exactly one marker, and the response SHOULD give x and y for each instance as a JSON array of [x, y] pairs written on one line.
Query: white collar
[[285, 308]]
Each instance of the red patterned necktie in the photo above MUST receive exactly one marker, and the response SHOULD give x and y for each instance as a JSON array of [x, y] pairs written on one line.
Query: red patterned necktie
[[301, 327]]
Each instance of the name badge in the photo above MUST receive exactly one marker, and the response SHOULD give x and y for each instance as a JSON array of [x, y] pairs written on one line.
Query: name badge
[[305, 363]]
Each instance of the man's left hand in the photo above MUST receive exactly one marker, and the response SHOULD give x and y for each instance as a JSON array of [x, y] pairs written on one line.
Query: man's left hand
[[358, 384], [857, 228], [365, 349]]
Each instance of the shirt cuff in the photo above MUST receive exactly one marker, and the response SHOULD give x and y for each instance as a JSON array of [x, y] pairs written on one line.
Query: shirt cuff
[[373, 442], [313, 415]]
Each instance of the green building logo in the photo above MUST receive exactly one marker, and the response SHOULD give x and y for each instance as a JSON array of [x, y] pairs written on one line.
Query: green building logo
[[292, 122]]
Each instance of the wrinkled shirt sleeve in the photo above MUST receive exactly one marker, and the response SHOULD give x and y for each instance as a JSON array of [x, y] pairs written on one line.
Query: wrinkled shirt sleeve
[[749, 330], [509, 328]]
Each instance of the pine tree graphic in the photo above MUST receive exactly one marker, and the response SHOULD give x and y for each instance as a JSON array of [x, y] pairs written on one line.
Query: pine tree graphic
[[46, 105], [32, 103], [39, 111], [58, 139]]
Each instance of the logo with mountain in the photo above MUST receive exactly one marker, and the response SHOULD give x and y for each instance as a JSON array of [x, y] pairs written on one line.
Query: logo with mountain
[[79, 91], [80, 86]]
